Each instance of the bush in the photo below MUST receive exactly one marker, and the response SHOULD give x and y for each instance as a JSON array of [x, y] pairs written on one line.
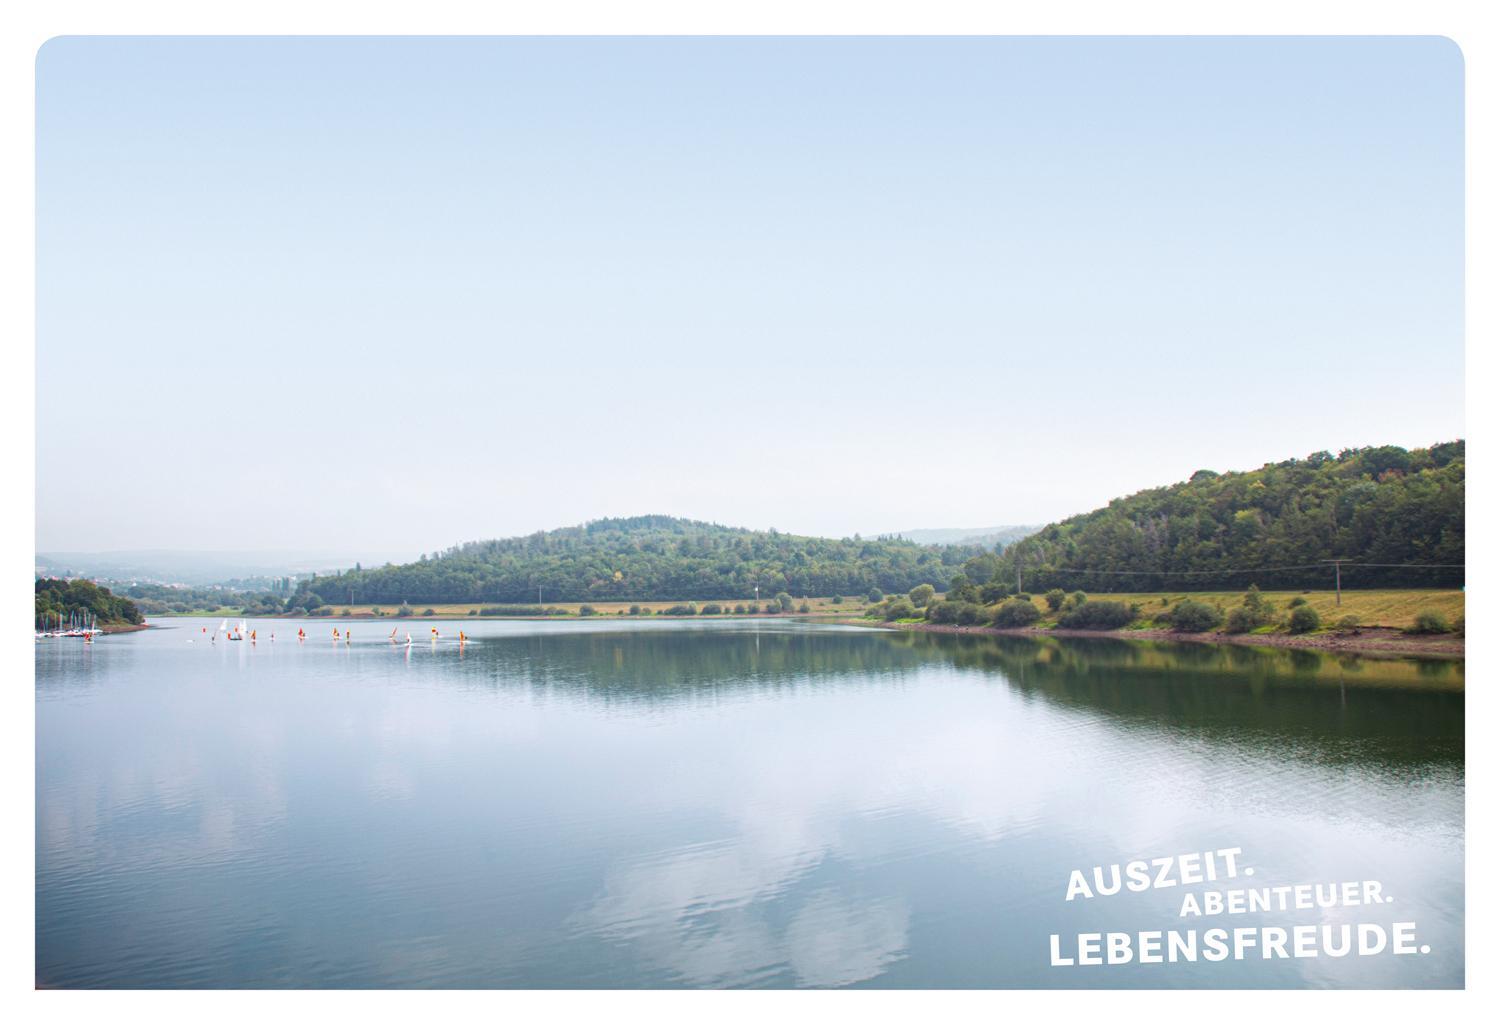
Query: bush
[[1194, 617], [804, 608], [874, 596], [739, 610], [1098, 615], [901, 608], [921, 595], [1239, 621], [635, 610], [346, 612], [942, 612], [404, 611], [1305, 619], [429, 612], [1296, 602], [1016, 612], [1458, 626], [993, 592], [1429, 621], [961, 588], [1347, 625], [1054, 598], [713, 608], [837, 599], [1079, 597], [587, 610], [784, 601], [964, 613]]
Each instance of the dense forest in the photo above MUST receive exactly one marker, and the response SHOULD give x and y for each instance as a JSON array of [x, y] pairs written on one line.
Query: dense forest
[[642, 558], [83, 596], [1397, 515]]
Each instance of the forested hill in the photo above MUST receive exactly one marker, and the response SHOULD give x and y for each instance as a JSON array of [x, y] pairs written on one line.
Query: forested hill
[[645, 558], [1390, 510]]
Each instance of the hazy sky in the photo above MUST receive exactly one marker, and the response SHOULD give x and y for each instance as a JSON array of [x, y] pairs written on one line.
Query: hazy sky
[[388, 295]]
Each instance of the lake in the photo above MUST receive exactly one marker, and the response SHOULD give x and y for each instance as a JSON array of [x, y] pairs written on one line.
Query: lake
[[715, 804]]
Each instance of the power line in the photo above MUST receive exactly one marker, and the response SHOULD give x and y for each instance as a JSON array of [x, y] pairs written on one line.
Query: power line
[[1409, 565], [1258, 569]]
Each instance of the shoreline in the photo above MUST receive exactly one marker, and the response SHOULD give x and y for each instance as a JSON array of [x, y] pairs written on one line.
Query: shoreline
[[1370, 641]]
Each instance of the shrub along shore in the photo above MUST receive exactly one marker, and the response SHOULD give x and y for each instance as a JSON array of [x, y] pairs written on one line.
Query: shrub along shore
[[1387, 621]]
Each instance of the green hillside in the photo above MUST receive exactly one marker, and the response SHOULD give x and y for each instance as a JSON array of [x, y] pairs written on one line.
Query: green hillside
[[643, 558], [1397, 514]]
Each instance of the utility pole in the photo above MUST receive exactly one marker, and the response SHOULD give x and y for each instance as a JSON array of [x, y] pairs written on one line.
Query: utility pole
[[1338, 581]]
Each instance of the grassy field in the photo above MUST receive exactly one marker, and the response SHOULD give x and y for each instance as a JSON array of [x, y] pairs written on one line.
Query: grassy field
[[1372, 608], [1390, 608]]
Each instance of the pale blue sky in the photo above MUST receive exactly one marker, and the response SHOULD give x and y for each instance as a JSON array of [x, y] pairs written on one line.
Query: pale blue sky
[[388, 295]]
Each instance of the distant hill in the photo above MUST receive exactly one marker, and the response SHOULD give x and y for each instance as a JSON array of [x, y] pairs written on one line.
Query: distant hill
[[984, 537], [188, 567], [1398, 515], [649, 558]]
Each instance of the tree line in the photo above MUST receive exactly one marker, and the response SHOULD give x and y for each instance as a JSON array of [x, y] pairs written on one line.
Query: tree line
[[1397, 514], [65, 597], [645, 558]]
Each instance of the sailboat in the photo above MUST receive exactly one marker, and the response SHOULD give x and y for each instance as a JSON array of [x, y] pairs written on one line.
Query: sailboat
[[79, 623]]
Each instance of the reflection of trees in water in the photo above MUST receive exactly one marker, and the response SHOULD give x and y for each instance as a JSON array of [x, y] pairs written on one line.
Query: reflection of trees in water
[[1338, 707], [1333, 707], [666, 665]]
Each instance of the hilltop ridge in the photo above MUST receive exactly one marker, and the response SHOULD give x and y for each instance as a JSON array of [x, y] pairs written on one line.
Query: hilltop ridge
[[646, 558]]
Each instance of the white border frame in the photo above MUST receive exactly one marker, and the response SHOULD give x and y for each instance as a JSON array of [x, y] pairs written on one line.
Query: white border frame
[[27, 28]]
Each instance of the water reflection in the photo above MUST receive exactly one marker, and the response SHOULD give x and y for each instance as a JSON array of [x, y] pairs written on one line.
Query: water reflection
[[684, 805]]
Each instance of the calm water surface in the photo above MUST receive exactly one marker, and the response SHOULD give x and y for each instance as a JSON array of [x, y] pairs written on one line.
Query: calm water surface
[[674, 804]]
